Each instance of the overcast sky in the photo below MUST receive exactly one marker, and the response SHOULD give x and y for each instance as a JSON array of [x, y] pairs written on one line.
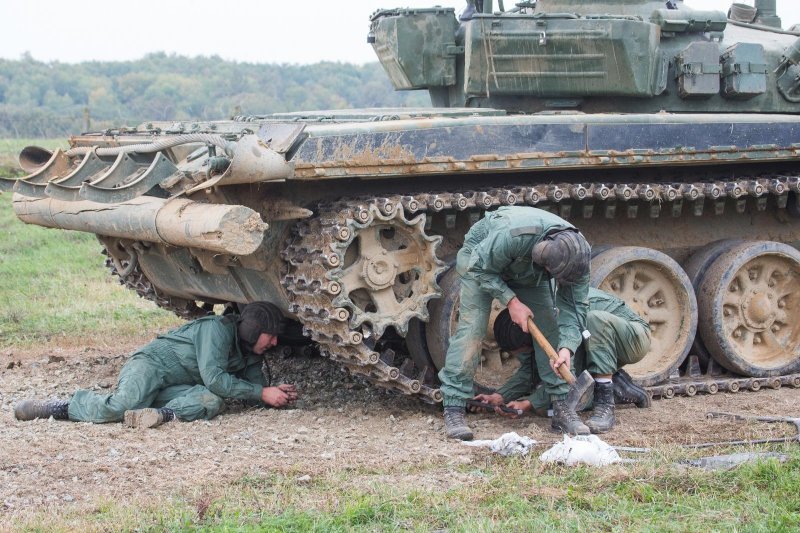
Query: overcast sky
[[256, 31]]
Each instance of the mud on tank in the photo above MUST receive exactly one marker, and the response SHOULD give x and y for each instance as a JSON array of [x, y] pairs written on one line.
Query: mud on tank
[[669, 136]]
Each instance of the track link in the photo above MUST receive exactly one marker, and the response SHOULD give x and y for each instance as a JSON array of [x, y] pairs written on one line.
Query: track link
[[609, 197], [716, 379], [688, 386]]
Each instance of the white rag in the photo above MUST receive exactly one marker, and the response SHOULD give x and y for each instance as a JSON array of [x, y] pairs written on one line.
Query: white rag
[[507, 444], [588, 449]]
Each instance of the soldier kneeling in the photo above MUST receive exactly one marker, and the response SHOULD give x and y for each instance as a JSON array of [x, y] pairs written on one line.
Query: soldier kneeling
[[619, 337]]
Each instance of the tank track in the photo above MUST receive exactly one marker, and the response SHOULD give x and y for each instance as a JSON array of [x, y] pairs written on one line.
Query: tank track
[[614, 195], [312, 255], [716, 379], [689, 386]]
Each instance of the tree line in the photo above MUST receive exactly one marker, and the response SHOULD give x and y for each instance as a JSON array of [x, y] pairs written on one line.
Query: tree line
[[50, 99]]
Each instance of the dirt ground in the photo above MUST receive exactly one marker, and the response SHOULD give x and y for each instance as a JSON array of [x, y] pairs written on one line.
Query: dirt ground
[[340, 423]]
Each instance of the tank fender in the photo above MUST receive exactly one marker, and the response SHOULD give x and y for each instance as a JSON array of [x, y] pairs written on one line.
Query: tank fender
[[253, 161]]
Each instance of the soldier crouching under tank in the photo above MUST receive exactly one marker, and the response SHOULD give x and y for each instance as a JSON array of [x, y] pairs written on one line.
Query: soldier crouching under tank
[[184, 374], [511, 255], [619, 337]]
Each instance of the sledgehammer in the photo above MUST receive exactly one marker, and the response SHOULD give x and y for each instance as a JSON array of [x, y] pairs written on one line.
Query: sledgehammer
[[578, 388]]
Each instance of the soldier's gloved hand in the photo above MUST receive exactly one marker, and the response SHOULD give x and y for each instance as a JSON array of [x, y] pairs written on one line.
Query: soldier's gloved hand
[[519, 313], [274, 397], [290, 390], [563, 359], [524, 405]]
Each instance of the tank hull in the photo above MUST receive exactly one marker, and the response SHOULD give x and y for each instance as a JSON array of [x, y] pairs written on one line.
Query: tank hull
[[673, 183]]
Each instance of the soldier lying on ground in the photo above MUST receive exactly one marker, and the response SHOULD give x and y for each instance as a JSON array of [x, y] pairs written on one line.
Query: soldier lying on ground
[[619, 337], [511, 255], [185, 374]]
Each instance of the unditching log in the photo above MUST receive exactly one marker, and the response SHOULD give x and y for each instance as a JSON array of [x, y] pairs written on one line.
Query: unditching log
[[229, 229]]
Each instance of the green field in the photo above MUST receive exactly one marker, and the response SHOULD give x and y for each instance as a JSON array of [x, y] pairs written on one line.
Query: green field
[[54, 288], [10, 149], [501, 495]]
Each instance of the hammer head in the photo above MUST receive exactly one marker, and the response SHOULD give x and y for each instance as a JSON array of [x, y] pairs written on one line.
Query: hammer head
[[580, 393]]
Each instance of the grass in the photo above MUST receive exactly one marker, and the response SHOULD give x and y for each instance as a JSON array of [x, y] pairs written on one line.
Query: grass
[[499, 495], [54, 288]]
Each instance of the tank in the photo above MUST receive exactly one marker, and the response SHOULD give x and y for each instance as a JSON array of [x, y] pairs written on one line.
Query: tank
[[669, 136]]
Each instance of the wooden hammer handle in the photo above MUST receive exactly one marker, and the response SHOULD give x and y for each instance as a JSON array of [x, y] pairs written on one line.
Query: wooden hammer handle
[[542, 341]]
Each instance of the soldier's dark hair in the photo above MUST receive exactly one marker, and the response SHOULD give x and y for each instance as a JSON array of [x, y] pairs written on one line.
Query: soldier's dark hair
[[508, 335]]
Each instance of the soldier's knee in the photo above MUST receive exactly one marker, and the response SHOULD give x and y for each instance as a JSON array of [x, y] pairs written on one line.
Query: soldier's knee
[[211, 402], [116, 405], [598, 320]]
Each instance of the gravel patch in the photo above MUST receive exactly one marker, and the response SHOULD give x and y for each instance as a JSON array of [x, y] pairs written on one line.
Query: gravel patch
[[340, 423]]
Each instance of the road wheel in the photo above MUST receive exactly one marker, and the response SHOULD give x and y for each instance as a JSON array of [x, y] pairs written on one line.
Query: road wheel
[[434, 336], [658, 289], [697, 265], [749, 299]]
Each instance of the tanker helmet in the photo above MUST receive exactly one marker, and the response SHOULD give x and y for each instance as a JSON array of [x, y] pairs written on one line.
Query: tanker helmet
[[508, 335], [258, 318], [565, 254]]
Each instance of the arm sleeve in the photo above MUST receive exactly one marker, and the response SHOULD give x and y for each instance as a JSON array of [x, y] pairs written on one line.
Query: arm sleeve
[[539, 398], [253, 372], [520, 383], [212, 343], [573, 305], [488, 260]]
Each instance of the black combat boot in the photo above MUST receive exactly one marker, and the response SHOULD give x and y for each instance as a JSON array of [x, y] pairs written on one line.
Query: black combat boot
[[626, 391], [32, 409], [603, 418], [566, 420], [148, 417], [454, 424]]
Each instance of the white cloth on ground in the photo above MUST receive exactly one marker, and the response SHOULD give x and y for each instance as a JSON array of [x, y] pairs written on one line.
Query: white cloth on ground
[[507, 444], [585, 449]]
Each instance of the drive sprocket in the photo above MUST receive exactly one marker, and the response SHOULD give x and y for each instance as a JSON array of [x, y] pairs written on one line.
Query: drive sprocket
[[355, 270], [388, 269]]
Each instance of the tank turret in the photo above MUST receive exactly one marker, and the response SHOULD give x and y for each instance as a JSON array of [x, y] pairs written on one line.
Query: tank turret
[[594, 57]]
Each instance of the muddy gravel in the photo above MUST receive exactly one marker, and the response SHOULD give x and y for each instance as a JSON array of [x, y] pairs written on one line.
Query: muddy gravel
[[340, 423]]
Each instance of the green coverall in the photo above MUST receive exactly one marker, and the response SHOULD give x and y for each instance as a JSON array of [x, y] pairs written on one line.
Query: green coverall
[[619, 337], [189, 370], [495, 262]]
